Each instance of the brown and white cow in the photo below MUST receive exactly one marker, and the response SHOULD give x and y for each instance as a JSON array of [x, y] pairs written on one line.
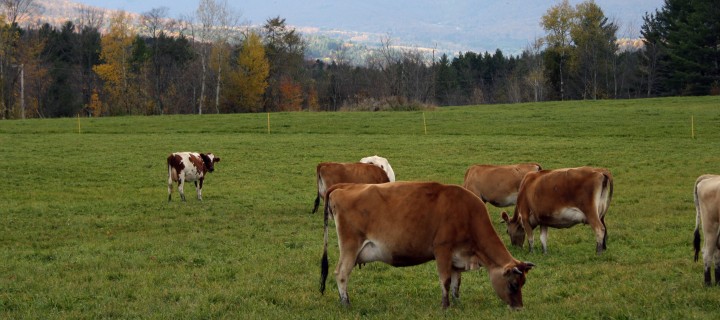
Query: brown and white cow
[[497, 184], [369, 170], [561, 198], [707, 209], [189, 166], [410, 223]]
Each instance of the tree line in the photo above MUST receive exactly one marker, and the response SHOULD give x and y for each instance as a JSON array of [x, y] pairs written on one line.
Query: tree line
[[210, 63]]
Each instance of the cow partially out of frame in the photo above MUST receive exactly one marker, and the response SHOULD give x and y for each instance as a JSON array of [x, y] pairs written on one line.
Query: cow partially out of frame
[[707, 210], [189, 166]]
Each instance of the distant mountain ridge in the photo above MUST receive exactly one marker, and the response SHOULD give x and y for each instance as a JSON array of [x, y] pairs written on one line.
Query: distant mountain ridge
[[450, 26]]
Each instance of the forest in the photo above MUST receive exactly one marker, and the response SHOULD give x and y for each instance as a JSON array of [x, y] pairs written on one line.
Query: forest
[[148, 64]]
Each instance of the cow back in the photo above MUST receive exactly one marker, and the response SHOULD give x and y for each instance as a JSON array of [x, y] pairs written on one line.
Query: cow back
[[332, 173], [412, 218], [497, 183]]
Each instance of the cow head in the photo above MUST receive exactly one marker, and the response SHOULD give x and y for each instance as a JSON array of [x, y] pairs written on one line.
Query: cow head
[[209, 161], [508, 282], [382, 163], [514, 229]]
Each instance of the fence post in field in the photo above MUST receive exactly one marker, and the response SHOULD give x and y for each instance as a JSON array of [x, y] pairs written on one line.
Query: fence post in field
[[424, 123]]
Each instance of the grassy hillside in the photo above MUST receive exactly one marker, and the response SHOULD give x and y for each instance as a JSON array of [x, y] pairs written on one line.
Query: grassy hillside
[[86, 230]]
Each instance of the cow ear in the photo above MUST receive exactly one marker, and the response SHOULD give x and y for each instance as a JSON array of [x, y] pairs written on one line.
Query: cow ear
[[216, 160], [205, 158], [505, 217], [527, 265]]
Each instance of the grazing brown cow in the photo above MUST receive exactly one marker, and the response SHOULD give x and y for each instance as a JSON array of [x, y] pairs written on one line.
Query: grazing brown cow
[[189, 166], [707, 209], [561, 198], [374, 170], [410, 223], [497, 185]]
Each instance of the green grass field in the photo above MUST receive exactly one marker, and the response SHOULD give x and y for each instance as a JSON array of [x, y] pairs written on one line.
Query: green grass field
[[86, 231]]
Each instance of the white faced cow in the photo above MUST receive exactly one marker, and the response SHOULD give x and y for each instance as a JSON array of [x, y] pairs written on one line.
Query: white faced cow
[[410, 223], [369, 170], [497, 185], [382, 163], [707, 209], [561, 198], [189, 166]]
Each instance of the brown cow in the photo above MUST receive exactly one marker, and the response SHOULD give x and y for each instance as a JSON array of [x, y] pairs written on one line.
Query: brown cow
[[707, 210], [497, 185], [410, 223], [330, 173], [561, 198]]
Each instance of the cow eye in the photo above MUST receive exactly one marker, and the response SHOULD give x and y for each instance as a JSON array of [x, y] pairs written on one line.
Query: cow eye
[[513, 287]]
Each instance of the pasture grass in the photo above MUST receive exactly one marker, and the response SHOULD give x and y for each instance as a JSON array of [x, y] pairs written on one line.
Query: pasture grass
[[86, 231]]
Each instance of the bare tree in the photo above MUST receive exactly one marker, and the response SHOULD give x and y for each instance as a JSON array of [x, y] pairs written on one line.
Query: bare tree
[[535, 77], [217, 24], [90, 17], [17, 10]]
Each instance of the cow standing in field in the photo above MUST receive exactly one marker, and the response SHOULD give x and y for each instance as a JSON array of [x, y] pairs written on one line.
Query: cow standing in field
[[410, 223], [369, 170], [189, 166], [561, 198], [707, 210], [497, 185]]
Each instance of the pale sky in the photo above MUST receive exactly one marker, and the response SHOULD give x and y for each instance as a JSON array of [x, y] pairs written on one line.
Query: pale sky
[[491, 24]]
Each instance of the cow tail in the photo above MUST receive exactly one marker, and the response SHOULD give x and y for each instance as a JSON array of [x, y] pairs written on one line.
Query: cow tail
[[170, 175], [696, 237], [317, 197], [324, 261], [607, 193]]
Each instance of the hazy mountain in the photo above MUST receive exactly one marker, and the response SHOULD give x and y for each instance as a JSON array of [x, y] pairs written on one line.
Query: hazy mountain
[[450, 25]]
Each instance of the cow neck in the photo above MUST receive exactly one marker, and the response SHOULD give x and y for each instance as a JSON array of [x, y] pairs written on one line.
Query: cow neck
[[491, 250]]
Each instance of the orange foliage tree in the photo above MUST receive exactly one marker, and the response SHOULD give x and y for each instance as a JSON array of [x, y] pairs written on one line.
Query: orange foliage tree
[[291, 96]]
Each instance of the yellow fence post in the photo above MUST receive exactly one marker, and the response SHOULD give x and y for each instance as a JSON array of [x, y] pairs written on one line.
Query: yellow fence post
[[424, 123], [692, 126]]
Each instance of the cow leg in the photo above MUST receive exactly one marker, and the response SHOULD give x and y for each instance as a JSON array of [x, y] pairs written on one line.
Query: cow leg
[[170, 183], [599, 229], [445, 271], [604, 243], [543, 238], [348, 256], [708, 280], [710, 254], [181, 188], [198, 188], [529, 234], [455, 284]]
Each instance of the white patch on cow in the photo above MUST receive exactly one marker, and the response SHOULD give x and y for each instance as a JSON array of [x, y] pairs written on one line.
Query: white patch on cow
[[567, 217], [509, 200], [382, 163], [373, 251], [462, 260]]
